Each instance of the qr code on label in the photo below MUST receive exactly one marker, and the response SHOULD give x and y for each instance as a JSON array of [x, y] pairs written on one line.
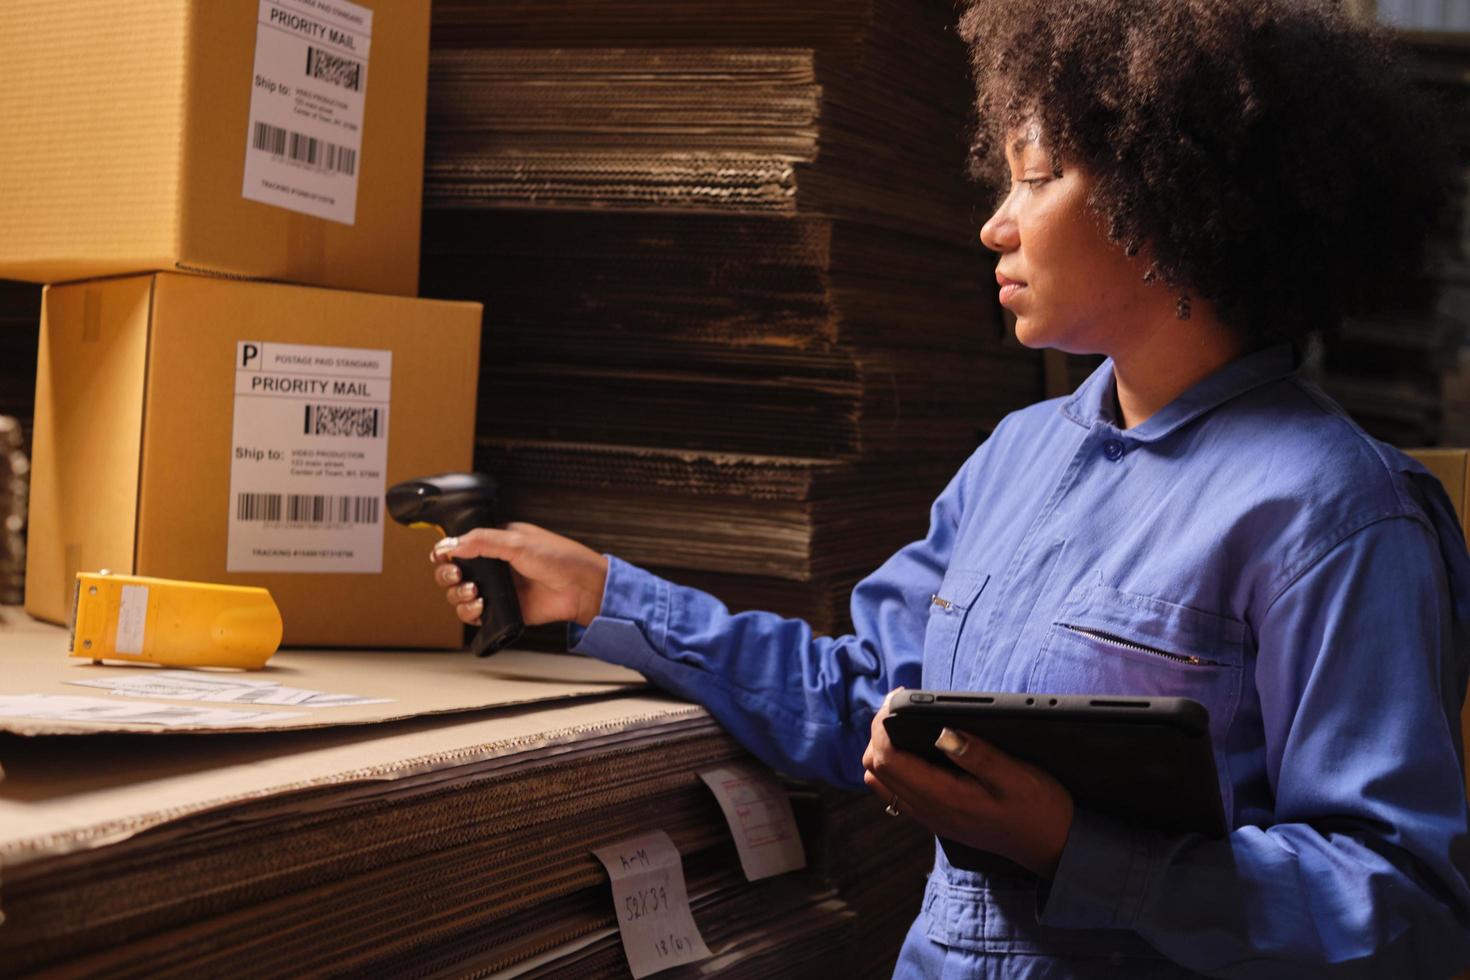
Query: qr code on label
[[342, 420], [334, 68]]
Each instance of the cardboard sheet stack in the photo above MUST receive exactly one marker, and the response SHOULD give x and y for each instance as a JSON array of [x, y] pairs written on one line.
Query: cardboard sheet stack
[[749, 330], [428, 847]]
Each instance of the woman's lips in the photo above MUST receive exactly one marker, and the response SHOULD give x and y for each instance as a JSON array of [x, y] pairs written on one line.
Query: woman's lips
[[1008, 288]]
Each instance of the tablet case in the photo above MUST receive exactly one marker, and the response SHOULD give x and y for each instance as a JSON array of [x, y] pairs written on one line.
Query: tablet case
[[1145, 761]]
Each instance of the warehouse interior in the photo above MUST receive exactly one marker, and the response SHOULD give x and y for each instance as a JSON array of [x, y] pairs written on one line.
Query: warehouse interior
[[697, 285]]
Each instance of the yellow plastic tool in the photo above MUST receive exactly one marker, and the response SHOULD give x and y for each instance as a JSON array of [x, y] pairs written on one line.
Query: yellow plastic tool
[[179, 624]]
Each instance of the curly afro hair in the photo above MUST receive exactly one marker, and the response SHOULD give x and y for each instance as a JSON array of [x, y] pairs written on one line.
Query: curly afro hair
[[1267, 155]]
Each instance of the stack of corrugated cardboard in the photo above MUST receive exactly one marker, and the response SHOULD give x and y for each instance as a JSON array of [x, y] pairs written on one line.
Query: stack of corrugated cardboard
[[391, 842], [747, 334]]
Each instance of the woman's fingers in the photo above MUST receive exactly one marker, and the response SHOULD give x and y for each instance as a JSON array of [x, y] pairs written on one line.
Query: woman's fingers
[[556, 578], [993, 768], [1002, 773], [989, 800], [482, 542], [462, 593], [469, 612]]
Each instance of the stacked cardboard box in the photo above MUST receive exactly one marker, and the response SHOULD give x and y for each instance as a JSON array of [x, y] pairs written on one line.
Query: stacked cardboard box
[[215, 143], [748, 333]]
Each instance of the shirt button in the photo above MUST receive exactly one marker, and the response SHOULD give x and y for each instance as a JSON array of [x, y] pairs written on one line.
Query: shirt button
[[1113, 449]]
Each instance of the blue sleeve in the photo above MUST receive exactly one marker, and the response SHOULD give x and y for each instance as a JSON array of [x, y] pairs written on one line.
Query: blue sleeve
[[1364, 871], [802, 703]]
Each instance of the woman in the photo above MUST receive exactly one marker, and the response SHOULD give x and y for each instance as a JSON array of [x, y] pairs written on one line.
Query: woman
[[1195, 186]]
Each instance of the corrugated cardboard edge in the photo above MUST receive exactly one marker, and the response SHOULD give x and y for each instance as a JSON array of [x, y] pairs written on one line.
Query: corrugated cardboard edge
[[646, 711]]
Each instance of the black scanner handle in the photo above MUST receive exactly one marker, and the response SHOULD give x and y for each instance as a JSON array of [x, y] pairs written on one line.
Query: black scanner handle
[[457, 503], [500, 622]]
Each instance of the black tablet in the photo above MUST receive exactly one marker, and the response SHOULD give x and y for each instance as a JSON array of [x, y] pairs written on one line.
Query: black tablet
[[1146, 761]]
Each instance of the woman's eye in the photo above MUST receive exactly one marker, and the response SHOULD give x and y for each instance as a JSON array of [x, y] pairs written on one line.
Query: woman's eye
[[1034, 182]]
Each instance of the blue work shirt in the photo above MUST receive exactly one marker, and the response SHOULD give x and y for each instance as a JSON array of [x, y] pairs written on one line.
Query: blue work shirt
[[1255, 551]]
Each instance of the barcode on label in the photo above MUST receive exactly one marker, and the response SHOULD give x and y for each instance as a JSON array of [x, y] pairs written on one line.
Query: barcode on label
[[305, 508], [341, 420], [258, 507], [306, 150], [334, 68]]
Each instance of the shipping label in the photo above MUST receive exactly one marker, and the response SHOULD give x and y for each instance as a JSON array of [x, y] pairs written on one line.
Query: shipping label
[[309, 458], [303, 148]]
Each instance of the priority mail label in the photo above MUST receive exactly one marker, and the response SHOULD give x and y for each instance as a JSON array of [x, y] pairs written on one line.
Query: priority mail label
[[309, 458], [304, 145]]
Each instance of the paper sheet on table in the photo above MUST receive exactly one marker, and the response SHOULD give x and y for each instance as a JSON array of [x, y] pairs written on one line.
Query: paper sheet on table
[[59, 707], [194, 685]]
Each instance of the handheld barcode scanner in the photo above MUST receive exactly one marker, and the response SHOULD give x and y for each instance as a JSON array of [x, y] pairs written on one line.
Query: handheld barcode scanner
[[453, 503]]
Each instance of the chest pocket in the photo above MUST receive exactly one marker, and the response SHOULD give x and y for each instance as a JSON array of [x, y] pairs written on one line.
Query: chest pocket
[[1106, 641], [949, 608]]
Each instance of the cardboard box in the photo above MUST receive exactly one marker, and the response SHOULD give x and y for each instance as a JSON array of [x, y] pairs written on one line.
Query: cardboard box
[[220, 431], [271, 139], [1452, 466]]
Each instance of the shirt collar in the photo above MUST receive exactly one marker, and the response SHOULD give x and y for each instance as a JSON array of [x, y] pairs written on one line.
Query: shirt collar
[[1095, 402]]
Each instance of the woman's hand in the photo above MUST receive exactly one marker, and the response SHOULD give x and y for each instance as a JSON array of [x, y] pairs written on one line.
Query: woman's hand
[[999, 804], [556, 578]]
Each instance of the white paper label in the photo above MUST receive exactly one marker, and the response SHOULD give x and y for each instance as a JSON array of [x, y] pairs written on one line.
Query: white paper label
[[760, 820], [309, 458], [652, 903], [132, 619], [189, 685], [303, 150], [59, 707]]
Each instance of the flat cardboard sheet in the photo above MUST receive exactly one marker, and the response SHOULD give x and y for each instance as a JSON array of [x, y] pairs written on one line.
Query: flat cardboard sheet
[[33, 660], [61, 795]]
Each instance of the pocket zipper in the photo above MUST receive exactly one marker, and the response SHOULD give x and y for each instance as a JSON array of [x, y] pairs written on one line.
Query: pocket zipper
[[1130, 645], [942, 603]]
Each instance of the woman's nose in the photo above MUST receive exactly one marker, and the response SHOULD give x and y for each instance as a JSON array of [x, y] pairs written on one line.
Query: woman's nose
[[1000, 234]]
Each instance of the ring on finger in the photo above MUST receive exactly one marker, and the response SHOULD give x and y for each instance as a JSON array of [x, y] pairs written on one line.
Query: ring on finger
[[892, 808]]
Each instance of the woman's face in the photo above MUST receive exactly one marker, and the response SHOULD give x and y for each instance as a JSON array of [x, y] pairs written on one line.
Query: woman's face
[[1068, 285]]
